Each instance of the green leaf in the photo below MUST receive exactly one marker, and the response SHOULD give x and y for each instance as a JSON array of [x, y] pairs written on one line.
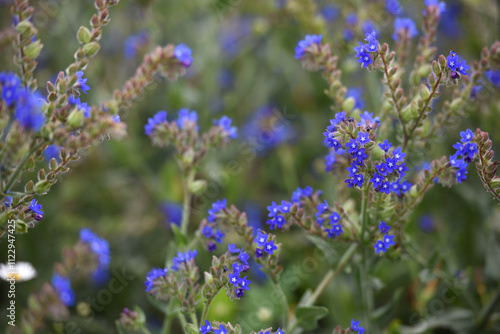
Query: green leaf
[[308, 316], [191, 329], [180, 238]]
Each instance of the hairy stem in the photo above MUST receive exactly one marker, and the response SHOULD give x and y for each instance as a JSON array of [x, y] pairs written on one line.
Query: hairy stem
[[393, 92], [187, 201], [422, 112], [327, 279], [19, 168]]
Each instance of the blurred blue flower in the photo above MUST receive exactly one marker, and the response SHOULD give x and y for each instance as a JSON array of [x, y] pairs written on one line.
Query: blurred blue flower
[[305, 43], [493, 77], [233, 36], [357, 94], [183, 53], [267, 129], [330, 12], [404, 24], [62, 285], [172, 212], [52, 151], [28, 109], [449, 23], [426, 223], [134, 43], [393, 7], [159, 117]]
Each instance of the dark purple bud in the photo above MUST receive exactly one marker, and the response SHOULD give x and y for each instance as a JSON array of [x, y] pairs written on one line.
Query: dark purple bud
[[468, 159], [240, 293], [38, 217], [455, 75], [245, 268], [259, 252], [126, 311], [212, 247]]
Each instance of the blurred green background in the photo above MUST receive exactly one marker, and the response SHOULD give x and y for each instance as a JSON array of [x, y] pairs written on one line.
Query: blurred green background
[[244, 67]]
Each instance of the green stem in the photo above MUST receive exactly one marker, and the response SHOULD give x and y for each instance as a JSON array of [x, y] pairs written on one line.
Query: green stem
[[167, 323], [206, 308], [187, 201], [183, 321], [193, 319], [327, 279], [364, 291], [20, 167]]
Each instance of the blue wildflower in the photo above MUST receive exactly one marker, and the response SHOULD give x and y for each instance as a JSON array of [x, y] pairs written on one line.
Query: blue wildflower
[[330, 12], [335, 231], [11, 84], [334, 218], [62, 285], [152, 275], [98, 246], [351, 19], [35, 207], [273, 209], [183, 53], [461, 175], [173, 212], [159, 117], [439, 5], [358, 180], [183, 257], [388, 241], [383, 227], [364, 57], [377, 180], [357, 94], [187, 118], [134, 43], [225, 123], [363, 138], [390, 164], [269, 247], [305, 43], [244, 283], [380, 247], [216, 207], [207, 328], [402, 169], [393, 7], [232, 249], [367, 119], [493, 77], [261, 238], [243, 257], [330, 160], [466, 135], [371, 38], [82, 82], [285, 207], [221, 330], [382, 169], [385, 187], [398, 155], [28, 109], [407, 26], [385, 145]]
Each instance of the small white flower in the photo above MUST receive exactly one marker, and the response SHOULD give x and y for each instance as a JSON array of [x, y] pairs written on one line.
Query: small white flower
[[21, 271]]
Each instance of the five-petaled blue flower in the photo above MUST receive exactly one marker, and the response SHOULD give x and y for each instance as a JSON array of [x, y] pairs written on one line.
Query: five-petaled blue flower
[[380, 247], [82, 82], [383, 227], [207, 328], [221, 330], [270, 247], [385, 145]]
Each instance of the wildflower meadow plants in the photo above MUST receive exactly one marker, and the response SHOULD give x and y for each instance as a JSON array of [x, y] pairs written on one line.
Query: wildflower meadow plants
[[335, 248]]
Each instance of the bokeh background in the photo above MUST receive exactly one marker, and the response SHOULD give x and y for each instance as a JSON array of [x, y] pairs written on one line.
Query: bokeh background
[[129, 191]]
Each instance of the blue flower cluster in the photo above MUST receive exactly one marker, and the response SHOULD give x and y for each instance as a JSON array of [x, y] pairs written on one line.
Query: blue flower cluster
[[240, 283], [159, 117], [305, 43], [207, 328], [156, 273], [100, 247], [183, 53], [183, 258], [325, 212], [28, 104], [262, 241], [387, 240], [81, 82], [62, 285], [456, 65], [275, 212], [407, 26], [152, 275], [356, 149], [356, 327], [439, 5], [393, 7], [135, 42], [187, 119], [465, 149], [211, 231], [363, 51], [394, 165], [225, 123], [84, 107], [493, 77]]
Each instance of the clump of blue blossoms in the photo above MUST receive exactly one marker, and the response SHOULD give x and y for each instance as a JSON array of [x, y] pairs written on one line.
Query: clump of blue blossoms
[[356, 327], [62, 285], [305, 43], [466, 150], [100, 247], [363, 50], [387, 240], [134, 43], [456, 65], [404, 27], [152, 275], [211, 230]]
